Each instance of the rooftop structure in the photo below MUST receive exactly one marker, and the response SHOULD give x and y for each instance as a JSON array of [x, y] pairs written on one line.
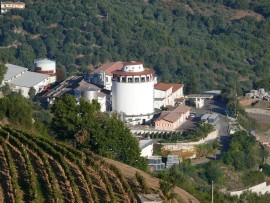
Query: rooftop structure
[[133, 93]]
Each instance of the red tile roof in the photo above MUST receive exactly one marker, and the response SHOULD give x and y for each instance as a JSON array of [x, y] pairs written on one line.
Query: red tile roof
[[173, 116], [177, 87], [108, 68], [162, 86]]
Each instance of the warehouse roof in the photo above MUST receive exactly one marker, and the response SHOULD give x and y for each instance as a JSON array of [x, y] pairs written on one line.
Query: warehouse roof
[[29, 79], [13, 71]]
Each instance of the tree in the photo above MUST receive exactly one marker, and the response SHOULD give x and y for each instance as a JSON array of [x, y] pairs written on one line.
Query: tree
[[6, 90], [103, 134], [3, 70], [32, 93], [17, 109]]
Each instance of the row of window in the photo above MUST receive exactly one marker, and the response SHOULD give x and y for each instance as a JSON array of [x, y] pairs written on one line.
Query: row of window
[[163, 124], [135, 79]]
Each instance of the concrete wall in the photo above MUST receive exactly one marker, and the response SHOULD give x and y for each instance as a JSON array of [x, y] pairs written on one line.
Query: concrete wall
[[260, 188], [186, 145]]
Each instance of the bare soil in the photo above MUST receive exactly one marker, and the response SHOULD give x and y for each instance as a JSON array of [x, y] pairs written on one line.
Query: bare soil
[[152, 182]]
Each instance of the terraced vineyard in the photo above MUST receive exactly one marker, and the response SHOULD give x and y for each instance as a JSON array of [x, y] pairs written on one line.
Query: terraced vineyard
[[35, 169]]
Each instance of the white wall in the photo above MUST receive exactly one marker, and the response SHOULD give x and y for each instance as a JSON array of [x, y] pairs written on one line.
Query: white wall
[[159, 94], [260, 188], [133, 98], [147, 151], [102, 102]]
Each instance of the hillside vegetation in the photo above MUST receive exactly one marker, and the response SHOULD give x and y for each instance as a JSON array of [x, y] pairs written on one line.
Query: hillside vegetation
[[36, 169], [203, 42]]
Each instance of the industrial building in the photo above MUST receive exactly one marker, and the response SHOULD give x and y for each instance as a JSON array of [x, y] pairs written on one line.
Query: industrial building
[[133, 93], [92, 92], [167, 94], [21, 80], [172, 160], [155, 163], [103, 75], [171, 120]]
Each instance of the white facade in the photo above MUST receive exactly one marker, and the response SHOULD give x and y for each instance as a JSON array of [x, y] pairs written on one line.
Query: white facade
[[166, 94], [103, 75], [46, 66], [133, 93], [146, 147]]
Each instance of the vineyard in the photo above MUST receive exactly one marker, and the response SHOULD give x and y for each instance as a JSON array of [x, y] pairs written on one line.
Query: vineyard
[[36, 169]]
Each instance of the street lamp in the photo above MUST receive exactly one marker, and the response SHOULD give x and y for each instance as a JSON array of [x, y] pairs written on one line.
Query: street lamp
[[212, 191]]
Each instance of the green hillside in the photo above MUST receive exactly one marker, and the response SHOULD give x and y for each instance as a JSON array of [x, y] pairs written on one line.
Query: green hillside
[[205, 42]]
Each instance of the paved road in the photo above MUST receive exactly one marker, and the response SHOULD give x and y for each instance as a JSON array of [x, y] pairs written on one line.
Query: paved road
[[217, 106]]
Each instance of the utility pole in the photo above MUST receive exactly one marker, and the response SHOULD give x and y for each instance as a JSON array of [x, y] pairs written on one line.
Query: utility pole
[[212, 191], [235, 102]]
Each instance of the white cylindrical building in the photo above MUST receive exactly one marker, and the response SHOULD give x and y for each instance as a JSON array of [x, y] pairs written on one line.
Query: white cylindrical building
[[133, 93], [46, 66]]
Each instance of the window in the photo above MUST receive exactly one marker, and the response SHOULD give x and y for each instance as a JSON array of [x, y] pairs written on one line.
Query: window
[[124, 79], [107, 79], [129, 79], [118, 79], [137, 80], [142, 79]]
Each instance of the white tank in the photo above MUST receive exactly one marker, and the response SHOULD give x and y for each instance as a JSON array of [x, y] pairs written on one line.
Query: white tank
[[133, 93], [46, 66], [89, 94]]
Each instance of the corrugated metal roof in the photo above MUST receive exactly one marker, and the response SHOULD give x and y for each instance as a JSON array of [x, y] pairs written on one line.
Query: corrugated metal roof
[[29, 79], [13, 71]]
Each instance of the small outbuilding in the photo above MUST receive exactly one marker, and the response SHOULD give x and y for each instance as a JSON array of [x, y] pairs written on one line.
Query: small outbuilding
[[148, 198]]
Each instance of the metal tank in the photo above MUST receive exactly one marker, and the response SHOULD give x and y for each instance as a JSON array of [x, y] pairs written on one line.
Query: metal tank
[[89, 94], [46, 66]]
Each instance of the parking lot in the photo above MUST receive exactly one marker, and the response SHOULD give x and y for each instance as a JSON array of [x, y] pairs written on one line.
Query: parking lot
[[210, 106]]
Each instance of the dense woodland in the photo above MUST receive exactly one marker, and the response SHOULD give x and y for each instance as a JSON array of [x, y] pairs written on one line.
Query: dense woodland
[[202, 43]]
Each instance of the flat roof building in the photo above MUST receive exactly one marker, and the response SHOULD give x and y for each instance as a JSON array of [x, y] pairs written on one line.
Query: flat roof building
[[21, 80]]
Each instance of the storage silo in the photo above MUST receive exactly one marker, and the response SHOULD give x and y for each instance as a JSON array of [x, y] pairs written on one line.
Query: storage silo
[[46, 66], [89, 94], [133, 93]]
